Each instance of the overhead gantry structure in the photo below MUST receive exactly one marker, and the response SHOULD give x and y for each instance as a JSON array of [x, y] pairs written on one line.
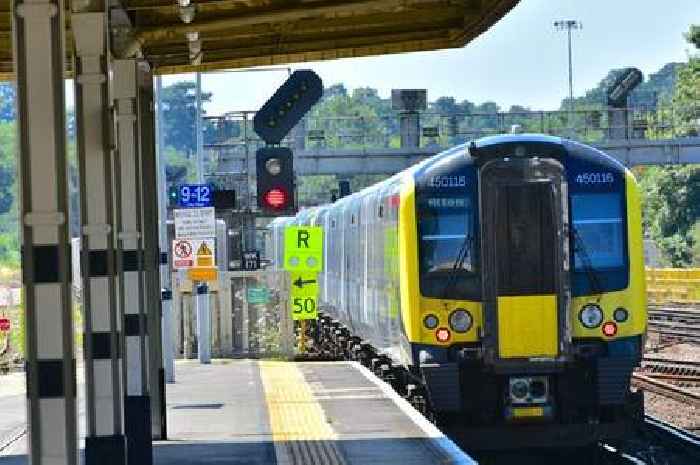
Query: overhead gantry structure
[[112, 48]]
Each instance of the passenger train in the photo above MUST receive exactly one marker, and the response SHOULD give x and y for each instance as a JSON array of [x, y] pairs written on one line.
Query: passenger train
[[498, 285]]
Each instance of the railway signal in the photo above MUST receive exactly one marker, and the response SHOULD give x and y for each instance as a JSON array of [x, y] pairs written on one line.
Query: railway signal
[[275, 180], [623, 86], [287, 106]]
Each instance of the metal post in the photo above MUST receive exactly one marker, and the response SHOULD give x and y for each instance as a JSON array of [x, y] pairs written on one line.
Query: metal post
[[188, 304], [302, 337], [571, 77], [105, 441], [198, 129], [165, 275], [39, 64], [409, 125], [203, 324], [569, 25], [245, 318], [151, 263], [287, 325], [130, 265]]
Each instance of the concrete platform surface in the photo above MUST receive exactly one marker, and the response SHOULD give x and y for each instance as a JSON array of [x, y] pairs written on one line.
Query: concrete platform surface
[[247, 412]]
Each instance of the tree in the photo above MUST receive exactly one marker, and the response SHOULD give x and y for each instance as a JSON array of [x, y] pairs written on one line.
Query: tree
[[686, 112], [672, 209], [693, 35], [179, 111]]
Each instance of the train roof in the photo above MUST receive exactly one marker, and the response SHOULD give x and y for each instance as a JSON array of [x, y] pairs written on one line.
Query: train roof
[[479, 150], [485, 148]]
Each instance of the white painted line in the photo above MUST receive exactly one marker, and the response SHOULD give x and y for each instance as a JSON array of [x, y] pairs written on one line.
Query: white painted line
[[455, 454]]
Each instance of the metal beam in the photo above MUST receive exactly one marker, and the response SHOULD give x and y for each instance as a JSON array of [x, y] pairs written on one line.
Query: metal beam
[[390, 161], [39, 61]]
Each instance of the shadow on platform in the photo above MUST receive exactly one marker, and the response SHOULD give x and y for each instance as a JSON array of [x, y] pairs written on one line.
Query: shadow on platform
[[384, 451]]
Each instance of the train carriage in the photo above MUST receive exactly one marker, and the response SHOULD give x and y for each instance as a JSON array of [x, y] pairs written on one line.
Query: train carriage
[[503, 283]]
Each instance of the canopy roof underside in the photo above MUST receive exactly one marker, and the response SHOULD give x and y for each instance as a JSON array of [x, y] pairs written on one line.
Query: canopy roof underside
[[245, 33]]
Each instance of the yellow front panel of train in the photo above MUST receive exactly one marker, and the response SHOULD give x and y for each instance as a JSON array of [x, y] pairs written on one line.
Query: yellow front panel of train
[[527, 326]]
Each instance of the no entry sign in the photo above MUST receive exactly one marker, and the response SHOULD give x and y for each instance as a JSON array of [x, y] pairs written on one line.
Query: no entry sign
[[5, 324]]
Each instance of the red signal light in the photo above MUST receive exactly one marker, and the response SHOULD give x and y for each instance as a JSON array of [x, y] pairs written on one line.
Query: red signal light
[[609, 329], [442, 335], [276, 198]]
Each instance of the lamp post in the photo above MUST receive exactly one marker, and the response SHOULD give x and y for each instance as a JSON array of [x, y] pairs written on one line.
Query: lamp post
[[567, 25]]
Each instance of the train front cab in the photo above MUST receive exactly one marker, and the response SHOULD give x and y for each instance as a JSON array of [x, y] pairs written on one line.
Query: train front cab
[[541, 371]]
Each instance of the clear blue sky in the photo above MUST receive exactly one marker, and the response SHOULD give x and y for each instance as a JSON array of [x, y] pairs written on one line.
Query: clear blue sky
[[521, 60]]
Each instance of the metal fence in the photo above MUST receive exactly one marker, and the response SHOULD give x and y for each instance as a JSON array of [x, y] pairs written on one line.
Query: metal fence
[[234, 133]]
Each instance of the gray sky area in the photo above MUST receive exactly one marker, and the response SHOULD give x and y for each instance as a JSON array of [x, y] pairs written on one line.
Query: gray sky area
[[521, 60]]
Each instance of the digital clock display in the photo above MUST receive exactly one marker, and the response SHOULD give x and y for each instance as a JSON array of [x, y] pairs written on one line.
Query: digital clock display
[[195, 195]]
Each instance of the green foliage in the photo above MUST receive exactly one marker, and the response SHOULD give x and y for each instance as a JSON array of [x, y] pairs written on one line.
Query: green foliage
[[179, 110], [693, 35], [356, 120], [672, 209]]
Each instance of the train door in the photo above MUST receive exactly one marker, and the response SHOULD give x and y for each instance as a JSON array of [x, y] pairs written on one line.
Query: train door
[[525, 259]]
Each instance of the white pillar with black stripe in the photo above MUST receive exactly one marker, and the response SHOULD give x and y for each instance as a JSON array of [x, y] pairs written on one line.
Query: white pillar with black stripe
[[130, 261], [104, 441], [149, 215], [39, 65]]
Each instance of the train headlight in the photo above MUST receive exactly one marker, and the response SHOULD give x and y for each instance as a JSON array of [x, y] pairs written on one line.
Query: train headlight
[[460, 320], [431, 321], [519, 388], [621, 314], [591, 316]]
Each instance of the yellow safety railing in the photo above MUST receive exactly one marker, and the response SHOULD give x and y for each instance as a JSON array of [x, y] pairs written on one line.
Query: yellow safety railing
[[673, 285]]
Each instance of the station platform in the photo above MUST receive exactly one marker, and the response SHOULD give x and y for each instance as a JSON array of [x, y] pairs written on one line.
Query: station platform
[[290, 413]]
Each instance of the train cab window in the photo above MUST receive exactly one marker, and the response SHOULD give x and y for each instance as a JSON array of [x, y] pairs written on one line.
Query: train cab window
[[448, 261], [598, 242], [598, 231]]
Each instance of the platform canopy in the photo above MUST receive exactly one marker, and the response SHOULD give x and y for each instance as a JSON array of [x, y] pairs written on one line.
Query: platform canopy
[[190, 35]]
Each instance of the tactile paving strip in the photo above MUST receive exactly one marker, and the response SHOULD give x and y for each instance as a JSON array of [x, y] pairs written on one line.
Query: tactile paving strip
[[299, 426]]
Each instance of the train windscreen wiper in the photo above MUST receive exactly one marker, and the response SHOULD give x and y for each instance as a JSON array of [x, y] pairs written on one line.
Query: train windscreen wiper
[[581, 251], [464, 250]]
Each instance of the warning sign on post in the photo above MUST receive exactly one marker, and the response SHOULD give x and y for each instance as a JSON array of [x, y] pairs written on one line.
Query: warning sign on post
[[303, 248], [194, 223], [193, 253]]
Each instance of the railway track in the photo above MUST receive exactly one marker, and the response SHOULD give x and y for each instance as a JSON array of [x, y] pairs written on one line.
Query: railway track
[[678, 372], [679, 323], [666, 389], [657, 442]]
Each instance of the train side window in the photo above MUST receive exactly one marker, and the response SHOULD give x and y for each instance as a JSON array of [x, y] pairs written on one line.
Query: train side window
[[381, 211]]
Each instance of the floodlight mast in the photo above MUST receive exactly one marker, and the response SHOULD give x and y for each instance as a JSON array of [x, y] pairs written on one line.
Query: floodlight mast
[[568, 25]]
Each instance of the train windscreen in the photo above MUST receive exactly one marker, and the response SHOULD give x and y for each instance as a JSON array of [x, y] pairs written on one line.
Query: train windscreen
[[448, 249]]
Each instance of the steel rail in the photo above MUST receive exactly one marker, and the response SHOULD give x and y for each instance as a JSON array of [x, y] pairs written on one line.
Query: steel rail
[[688, 363], [677, 439], [666, 389]]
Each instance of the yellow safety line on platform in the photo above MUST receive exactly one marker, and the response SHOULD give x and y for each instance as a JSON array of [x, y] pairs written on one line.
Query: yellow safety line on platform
[[294, 413]]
